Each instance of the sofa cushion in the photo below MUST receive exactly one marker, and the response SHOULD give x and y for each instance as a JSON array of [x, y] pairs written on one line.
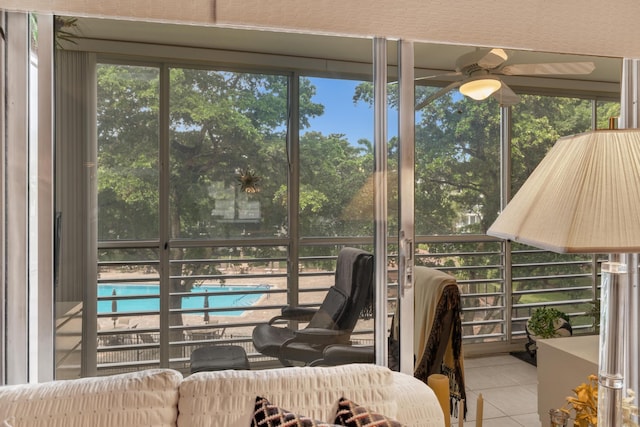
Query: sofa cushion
[[134, 399], [226, 398]]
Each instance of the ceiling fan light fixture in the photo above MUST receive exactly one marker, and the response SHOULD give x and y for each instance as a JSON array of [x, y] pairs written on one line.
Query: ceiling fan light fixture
[[480, 89]]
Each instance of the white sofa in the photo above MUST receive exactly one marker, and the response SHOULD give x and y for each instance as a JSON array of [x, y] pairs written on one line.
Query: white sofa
[[162, 397]]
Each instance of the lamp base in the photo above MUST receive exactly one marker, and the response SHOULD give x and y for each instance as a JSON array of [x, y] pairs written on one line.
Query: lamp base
[[610, 378]]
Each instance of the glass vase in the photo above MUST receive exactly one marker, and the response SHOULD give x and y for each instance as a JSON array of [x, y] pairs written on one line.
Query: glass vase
[[558, 418]]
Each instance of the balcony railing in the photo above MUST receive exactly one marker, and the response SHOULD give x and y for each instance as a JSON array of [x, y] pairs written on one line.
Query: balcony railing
[[495, 310]]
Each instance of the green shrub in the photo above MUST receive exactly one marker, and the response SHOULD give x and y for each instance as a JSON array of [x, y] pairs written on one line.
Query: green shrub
[[544, 322]]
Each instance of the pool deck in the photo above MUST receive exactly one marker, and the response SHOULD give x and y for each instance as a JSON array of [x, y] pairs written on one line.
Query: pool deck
[[262, 315]]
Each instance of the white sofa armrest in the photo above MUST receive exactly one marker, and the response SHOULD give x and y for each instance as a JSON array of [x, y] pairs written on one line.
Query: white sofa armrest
[[418, 405]]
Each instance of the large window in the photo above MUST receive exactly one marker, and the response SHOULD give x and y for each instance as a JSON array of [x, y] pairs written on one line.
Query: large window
[[458, 187], [212, 191], [225, 192]]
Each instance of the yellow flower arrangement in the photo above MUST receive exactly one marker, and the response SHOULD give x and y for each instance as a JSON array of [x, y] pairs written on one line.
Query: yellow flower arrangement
[[585, 403], [628, 409]]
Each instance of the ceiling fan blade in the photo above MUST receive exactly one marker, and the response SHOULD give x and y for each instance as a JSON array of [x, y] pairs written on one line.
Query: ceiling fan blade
[[493, 58], [487, 59], [455, 73], [549, 68], [505, 96], [433, 76], [437, 95]]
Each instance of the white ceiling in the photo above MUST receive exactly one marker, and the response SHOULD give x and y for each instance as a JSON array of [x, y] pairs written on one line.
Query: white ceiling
[[429, 58]]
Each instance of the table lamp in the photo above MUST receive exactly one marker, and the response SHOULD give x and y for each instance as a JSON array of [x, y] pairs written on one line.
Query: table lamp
[[584, 197]]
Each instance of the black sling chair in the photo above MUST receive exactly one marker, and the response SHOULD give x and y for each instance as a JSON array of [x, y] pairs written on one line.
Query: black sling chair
[[331, 323]]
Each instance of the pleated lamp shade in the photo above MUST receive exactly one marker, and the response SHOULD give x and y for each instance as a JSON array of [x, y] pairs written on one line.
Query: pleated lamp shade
[[584, 197]]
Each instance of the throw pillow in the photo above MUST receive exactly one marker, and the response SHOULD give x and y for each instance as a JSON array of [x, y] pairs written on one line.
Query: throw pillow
[[267, 415], [353, 415]]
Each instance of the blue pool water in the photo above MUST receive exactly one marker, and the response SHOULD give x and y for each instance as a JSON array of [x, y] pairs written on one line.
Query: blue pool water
[[152, 303]]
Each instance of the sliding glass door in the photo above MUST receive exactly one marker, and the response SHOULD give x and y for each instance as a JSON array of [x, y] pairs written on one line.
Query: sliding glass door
[[221, 195]]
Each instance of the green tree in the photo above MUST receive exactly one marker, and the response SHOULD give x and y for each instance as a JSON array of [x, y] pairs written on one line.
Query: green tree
[[332, 175], [458, 173], [127, 152], [220, 124]]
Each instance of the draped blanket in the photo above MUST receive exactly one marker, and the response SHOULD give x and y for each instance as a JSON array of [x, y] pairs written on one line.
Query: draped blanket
[[438, 331]]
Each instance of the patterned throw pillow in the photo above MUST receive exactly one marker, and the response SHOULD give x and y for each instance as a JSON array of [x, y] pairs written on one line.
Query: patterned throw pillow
[[267, 415], [353, 415]]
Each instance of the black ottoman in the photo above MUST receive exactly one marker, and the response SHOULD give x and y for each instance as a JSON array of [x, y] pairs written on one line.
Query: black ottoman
[[218, 358]]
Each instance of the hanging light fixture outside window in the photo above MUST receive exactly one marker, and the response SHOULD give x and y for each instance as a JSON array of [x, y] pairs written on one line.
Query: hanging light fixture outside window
[[480, 88]]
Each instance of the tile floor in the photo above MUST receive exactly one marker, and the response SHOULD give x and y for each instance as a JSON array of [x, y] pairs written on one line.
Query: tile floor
[[509, 389]]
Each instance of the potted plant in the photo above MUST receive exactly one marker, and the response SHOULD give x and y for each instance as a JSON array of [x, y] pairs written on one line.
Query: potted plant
[[546, 322]]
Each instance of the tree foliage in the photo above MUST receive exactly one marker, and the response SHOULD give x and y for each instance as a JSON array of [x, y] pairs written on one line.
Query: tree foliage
[[221, 123], [458, 179]]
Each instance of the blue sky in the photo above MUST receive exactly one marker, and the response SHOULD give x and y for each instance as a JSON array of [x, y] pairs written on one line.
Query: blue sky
[[341, 115]]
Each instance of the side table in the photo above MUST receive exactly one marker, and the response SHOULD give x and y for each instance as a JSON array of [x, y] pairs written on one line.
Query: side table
[[563, 364]]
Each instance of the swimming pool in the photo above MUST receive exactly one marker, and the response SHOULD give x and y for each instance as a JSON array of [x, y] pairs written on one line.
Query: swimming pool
[[153, 303]]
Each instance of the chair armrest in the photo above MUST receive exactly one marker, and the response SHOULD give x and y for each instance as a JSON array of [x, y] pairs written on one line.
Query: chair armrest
[[300, 314], [340, 354], [351, 353], [322, 336]]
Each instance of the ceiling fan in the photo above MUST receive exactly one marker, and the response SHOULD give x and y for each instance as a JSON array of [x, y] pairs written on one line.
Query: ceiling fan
[[482, 69]]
